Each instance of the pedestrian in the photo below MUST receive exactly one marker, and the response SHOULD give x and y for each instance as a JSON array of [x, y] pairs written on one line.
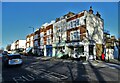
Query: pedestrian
[[103, 57]]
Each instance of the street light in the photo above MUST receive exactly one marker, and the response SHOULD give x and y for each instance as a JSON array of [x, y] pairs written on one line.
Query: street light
[[32, 27]]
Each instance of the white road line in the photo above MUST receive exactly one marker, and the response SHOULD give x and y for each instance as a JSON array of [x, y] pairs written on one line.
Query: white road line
[[85, 63], [49, 73], [63, 76], [25, 78], [18, 79], [31, 77]]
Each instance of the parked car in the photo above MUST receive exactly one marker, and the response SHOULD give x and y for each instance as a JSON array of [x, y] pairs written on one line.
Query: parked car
[[4, 53], [12, 59], [28, 51]]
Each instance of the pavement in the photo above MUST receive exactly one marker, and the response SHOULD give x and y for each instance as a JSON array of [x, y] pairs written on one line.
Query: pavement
[[113, 61], [43, 58]]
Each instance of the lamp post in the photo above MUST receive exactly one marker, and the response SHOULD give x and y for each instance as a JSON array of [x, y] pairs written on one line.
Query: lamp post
[[33, 39], [32, 28]]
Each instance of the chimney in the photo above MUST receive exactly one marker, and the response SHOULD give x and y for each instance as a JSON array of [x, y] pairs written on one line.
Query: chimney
[[91, 11], [98, 15]]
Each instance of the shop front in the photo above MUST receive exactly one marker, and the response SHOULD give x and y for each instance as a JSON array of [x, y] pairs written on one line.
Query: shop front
[[59, 50], [75, 49], [80, 49], [41, 50], [49, 50]]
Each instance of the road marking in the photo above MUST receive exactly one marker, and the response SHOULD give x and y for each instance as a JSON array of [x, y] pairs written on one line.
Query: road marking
[[24, 78], [54, 74], [85, 63], [18, 79], [46, 73]]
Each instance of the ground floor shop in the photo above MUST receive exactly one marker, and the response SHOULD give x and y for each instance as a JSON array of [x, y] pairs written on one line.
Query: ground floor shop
[[78, 49], [59, 51], [49, 50], [74, 50]]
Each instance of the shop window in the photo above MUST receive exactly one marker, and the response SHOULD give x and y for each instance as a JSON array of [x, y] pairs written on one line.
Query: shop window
[[91, 49], [77, 22], [76, 35], [71, 36], [80, 50]]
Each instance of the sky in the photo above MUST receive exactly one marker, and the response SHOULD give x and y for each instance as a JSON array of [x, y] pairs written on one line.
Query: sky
[[17, 17]]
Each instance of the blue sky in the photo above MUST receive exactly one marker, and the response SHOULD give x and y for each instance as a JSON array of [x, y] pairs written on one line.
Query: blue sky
[[18, 16]]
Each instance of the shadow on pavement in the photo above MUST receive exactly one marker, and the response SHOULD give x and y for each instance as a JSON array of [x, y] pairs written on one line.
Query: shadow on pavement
[[97, 73], [81, 73]]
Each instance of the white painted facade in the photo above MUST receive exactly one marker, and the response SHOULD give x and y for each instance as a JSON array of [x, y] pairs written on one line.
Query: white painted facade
[[59, 37], [94, 35], [31, 41], [95, 27], [22, 44], [109, 54], [13, 46], [59, 30]]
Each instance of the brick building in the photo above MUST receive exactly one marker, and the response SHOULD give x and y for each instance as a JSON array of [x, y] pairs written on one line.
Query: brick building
[[77, 35], [30, 40], [20, 44]]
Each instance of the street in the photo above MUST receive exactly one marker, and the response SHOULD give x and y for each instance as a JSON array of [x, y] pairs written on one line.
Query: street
[[58, 70]]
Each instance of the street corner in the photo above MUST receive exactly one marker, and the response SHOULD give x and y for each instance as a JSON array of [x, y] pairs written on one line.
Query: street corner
[[96, 63]]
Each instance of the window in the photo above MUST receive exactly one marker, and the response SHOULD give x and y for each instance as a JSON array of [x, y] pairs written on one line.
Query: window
[[48, 40], [71, 36], [36, 36], [80, 50], [74, 23], [47, 32], [77, 22], [75, 35]]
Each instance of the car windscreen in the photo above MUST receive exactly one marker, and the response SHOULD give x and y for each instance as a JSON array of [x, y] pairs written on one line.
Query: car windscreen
[[15, 57]]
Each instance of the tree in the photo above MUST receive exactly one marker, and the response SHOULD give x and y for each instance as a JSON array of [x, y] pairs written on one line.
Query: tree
[[8, 47]]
